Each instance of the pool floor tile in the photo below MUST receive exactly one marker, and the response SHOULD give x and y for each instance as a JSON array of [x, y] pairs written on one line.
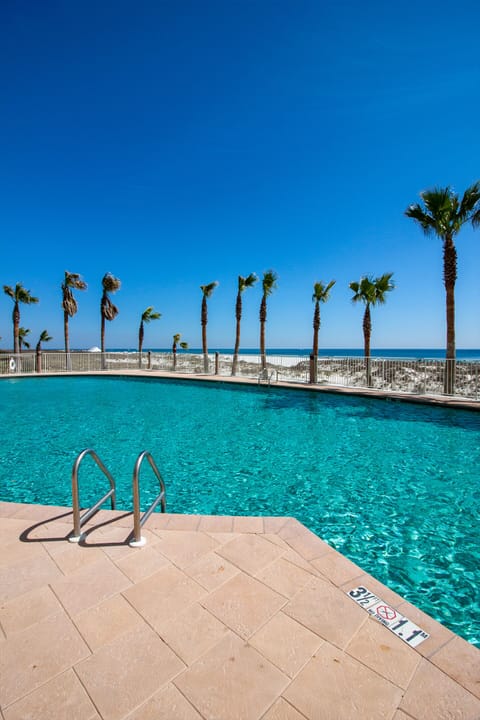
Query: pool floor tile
[[433, 695], [164, 595], [35, 655], [89, 585], [117, 685], [211, 571], [192, 633], [250, 553], [379, 649], [219, 684], [62, 697], [27, 575], [26, 610], [286, 643], [337, 568], [284, 577], [461, 661], [183, 547], [101, 624], [334, 685], [140, 563], [244, 604], [168, 704], [282, 710], [327, 612]]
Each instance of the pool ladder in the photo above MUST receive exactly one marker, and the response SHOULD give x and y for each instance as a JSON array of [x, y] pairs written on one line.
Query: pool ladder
[[79, 520]]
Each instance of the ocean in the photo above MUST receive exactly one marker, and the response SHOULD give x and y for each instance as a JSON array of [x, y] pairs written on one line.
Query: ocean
[[410, 353]]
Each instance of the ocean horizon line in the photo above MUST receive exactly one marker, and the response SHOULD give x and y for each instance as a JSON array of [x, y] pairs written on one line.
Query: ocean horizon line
[[402, 353]]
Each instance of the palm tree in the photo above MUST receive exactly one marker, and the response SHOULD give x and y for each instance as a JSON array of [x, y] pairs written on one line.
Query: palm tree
[[22, 334], [72, 281], [108, 310], [371, 291], [44, 337], [321, 294], [207, 291], [443, 214], [147, 316], [183, 345], [269, 284], [243, 283], [19, 294]]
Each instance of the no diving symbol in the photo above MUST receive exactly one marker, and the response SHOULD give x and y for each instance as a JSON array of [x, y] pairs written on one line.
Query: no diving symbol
[[386, 612]]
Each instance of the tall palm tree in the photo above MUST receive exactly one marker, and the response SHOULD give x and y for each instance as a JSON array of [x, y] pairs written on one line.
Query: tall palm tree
[[207, 291], [321, 294], [443, 214], [108, 310], [269, 284], [19, 294], [22, 334], [243, 284], [44, 337], [147, 316], [370, 291], [183, 345], [72, 281]]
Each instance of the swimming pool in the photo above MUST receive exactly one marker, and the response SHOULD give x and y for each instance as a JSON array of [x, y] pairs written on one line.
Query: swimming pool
[[393, 486]]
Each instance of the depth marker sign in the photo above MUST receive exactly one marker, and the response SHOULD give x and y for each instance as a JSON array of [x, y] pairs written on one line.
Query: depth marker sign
[[401, 626]]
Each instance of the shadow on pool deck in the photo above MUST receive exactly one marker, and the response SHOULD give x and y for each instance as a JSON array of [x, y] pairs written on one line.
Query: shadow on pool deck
[[235, 618]]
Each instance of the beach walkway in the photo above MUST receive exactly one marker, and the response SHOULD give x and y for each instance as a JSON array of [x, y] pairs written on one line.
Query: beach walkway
[[216, 618]]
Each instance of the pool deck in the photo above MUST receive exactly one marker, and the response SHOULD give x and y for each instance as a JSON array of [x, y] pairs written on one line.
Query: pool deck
[[216, 618]]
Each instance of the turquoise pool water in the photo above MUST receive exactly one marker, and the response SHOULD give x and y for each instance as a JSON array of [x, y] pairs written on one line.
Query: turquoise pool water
[[392, 486]]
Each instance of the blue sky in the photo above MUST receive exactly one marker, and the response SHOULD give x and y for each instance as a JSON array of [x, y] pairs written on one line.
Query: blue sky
[[176, 143]]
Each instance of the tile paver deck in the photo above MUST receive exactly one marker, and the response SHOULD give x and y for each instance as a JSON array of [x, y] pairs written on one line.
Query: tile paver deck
[[215, 619]]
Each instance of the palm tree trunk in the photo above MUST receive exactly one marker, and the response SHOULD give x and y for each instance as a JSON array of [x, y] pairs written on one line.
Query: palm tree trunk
[[367, 331], [141, 334], [67, 340], [16, 325], [449, 277], [65, 331], [238, 315], [102, 341], [204, 320], [263, 319], [316, 328], [38, 358]]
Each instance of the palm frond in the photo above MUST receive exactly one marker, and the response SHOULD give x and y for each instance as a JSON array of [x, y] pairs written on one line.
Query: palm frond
[[20, 294], [246, 282], [74, 280], [321, 291], [184, 345], [425, 221], [470, 204], [44, 336], [269, 282], [208, 289], [69, 303], [109, 310], [148, 315], [110, 283]]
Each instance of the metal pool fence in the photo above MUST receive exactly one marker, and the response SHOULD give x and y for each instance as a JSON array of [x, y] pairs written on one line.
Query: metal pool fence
[[460, 378]]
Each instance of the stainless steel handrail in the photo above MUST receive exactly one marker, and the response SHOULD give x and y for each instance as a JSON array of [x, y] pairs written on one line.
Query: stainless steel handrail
[[77, 520], [138, 540]]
